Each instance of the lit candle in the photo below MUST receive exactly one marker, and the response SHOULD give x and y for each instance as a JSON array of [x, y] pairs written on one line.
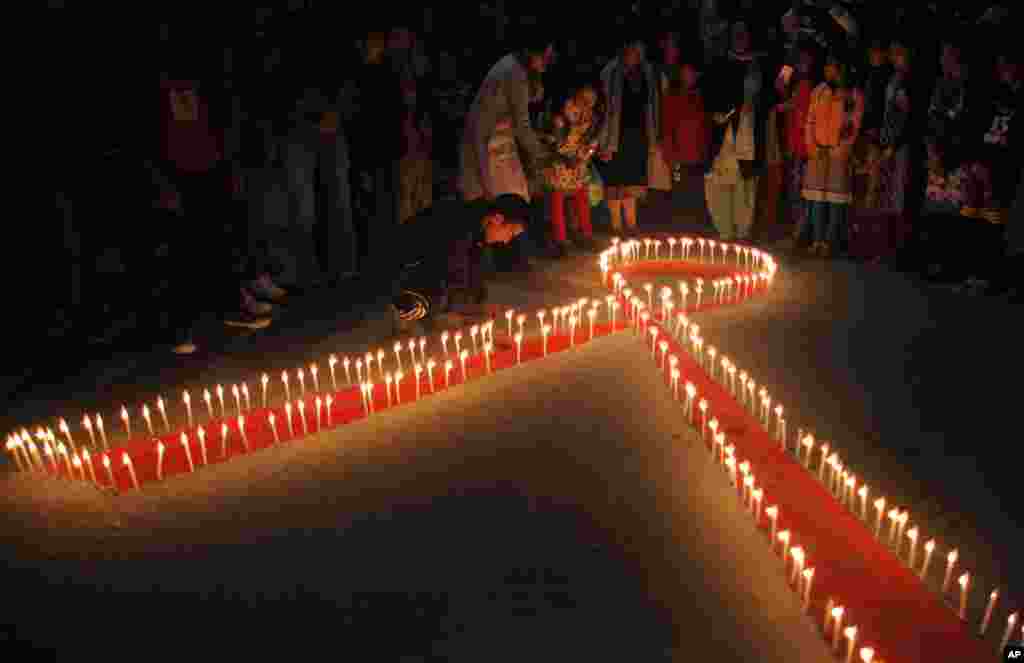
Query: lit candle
[[797, 553], [473, 331], [149, 421], [711, 246], [950, 563], [808, 575], [346, 363], [380, 362], [367, 361], [654, 341], [444, 342], [748, 489], [127, 421], [220, 398], [160, 449], [448, 367], [863, 495], [103, 432], [302, 416], [87, 423], [879, 509], [1011, 622], [540, 318], [675, 383], [272, 420], [332, 361], [66, 431], [851, 642], [784, 543], [649, 289], [823, 462], [572, 330], [545, 330], [417, 371], [837, 625], [245, 393], [993, 597], [366, 399], [508, 316], [359, 370], [126, 460], [463, 356], [241, 430], [773, 514], [894, 519], [912, 535], [647, 249], [423, 348], [458, 343], [756, 496], [488, 348], [691, 392], [592, 314], [288, 415], [202, 442], [315, 372], [808, 444], [62, 450], [330, 402], [208, 398], [399, 375], [703, 405], [237, 393], [264, 381], [430, 373], [88, 463], [614, 309], [657, 247], [188, 452], [521, 320], [848, 491], [720, 444], [929, 548], [867, 654], [965, 581], [387, 386], [110, 471], [904, 517], [13, 449], [369, 396]]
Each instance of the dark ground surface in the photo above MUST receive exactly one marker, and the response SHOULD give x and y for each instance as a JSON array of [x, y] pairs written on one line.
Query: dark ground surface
[[915, 384]]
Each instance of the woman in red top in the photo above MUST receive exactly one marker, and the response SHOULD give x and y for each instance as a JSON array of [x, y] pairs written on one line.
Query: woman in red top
[[685, 129], [795, 84]]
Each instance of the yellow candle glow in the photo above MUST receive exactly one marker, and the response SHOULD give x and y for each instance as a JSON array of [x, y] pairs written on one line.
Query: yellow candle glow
[[965, 581], [188, 452], [850, 632], [929, 548], [950, 563], [160, 449], [867, 654], [127, 461]]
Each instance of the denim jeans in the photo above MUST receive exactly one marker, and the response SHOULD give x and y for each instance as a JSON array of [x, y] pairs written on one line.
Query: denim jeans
[[828, 222], [315, 166]]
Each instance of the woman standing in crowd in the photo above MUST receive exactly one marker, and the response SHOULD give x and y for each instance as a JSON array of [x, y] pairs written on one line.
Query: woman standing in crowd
[[629, 135], [794, 85], [730, 186], [685, 130], [833, 125]]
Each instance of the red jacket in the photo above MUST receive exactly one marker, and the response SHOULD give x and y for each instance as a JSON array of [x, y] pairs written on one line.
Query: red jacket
[[685, 128], [796, 120]]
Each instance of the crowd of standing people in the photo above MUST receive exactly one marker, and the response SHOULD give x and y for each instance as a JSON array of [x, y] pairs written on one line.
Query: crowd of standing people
[[289, 167]]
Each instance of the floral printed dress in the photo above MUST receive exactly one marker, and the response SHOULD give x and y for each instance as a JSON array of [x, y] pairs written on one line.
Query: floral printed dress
[[572, 146]]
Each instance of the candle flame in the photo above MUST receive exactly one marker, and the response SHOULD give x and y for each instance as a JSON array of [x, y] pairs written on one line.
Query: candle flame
[[964, 579], [772, 511], [850, 632], [125, 460], [952, 556], [867, 654], [929, 545], [784, 536], [837, 612]]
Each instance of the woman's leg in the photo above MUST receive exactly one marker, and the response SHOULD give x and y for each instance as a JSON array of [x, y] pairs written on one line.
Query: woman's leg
[[614, 199], [817, 217], [558, 216], [629, 211], [836, 233]]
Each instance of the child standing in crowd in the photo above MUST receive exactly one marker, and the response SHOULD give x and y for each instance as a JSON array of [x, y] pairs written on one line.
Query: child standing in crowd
[[833, 124], [571, 137], [685, 129]]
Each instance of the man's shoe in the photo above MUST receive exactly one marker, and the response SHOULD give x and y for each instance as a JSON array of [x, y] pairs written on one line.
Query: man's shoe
[[247, 320], [265, 289]]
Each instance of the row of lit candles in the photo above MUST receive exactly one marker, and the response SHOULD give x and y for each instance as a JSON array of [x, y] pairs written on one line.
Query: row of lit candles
[[800, 574], [707, 250], [841, 482], [566, 319]]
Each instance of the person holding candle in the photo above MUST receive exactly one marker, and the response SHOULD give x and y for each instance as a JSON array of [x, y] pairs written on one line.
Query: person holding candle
[[833, 125], [570, 137], [450, 233]]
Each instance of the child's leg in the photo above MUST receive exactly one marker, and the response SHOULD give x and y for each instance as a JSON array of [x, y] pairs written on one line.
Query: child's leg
[[582, 200], [558, 215]]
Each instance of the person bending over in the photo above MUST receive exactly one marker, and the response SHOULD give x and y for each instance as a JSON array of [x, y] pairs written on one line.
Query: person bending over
[[439, 251]]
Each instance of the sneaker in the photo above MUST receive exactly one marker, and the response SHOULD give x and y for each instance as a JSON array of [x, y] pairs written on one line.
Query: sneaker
[[185, 348], [265, 289], [247, 320], [255, 307]]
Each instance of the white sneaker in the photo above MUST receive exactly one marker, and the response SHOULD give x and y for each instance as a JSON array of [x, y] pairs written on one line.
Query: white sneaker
[[264, 288]]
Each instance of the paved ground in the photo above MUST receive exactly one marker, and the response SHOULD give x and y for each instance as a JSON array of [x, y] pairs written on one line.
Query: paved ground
[[916, 385]]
